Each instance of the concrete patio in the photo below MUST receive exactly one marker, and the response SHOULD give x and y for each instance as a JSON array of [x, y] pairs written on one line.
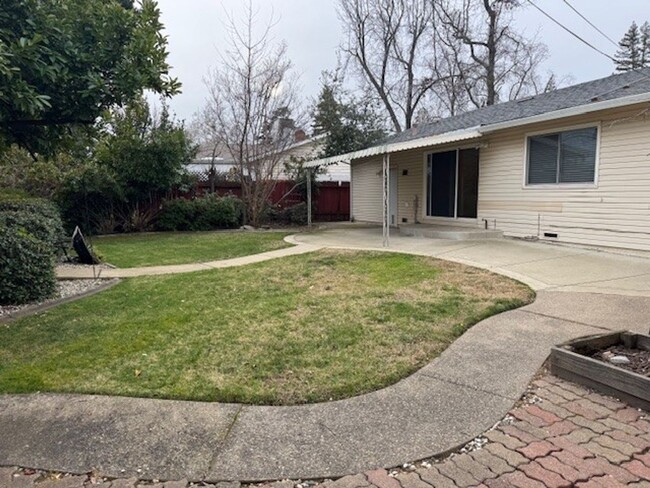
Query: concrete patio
[[542, 266]]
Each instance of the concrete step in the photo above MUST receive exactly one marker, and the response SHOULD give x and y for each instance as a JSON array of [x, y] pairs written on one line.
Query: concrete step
[[451, 233]]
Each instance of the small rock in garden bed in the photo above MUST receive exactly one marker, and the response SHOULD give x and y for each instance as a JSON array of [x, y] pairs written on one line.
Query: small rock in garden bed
[[619, 360], [636, 360]]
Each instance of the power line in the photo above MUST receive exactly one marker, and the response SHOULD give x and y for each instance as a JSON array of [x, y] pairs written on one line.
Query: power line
[[590, 23], [572, 33]]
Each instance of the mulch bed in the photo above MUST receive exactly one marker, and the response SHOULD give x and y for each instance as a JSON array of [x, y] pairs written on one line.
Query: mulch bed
[[639, 358]]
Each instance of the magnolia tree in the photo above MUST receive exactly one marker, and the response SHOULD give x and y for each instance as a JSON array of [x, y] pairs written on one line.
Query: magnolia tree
[[252, 108], [64, 63]]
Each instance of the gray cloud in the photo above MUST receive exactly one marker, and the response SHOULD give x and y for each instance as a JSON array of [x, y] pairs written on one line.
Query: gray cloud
[[311, 30]]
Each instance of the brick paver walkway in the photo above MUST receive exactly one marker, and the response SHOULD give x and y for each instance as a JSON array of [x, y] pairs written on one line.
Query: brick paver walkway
[[560, 435]]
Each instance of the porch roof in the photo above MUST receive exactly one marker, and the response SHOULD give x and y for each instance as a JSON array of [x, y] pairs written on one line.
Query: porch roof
[[435, 140]]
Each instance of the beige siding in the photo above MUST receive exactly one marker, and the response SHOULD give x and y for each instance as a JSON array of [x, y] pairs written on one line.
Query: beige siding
[[615, 212], [366, 191]]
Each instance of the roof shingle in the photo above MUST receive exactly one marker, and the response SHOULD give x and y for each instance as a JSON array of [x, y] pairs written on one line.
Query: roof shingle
[[612, 87]]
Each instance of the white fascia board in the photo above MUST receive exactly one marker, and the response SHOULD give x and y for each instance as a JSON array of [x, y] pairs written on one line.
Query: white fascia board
[[445, 138], [568, 112]]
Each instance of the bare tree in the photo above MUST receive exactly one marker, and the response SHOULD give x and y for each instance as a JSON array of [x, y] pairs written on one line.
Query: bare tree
[[496, 63], [389, 43], [451, 69], [252, 99], [206, 134]]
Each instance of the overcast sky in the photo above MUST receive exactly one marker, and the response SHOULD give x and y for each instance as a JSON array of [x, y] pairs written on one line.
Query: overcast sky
[[312, 31]]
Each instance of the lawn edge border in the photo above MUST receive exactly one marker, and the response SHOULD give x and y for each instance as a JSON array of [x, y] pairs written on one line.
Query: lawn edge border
[[35, 309]]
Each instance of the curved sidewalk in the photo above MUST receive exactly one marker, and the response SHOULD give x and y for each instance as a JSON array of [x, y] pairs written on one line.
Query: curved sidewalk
[[455, 398], [89, 272]]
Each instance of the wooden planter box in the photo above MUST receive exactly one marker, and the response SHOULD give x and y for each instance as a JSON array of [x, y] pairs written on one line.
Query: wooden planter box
[[567, 363]]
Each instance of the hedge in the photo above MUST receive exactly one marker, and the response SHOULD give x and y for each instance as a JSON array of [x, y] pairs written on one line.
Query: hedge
[[26, 267], [39, 217], [31, 235], [201, 214]]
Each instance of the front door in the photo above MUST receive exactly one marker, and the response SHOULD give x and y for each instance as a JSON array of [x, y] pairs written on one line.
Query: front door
[[452, 184], [392, 201]]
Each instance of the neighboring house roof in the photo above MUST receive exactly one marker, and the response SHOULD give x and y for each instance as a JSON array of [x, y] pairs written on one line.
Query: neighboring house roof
[[303, 149], [202, 165], [616, 90]]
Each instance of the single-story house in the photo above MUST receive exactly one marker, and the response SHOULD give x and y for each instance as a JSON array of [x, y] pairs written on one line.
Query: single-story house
[[571, 165]]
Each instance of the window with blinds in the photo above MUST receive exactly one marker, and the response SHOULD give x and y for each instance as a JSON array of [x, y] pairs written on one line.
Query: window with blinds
[[564, 157]]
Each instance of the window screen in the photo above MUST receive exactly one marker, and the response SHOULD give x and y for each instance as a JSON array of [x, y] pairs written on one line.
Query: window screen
[[542, 159], [567, 157]]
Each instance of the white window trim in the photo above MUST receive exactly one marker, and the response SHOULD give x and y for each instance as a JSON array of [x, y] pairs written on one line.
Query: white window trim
[[568, 186], [425, 189]]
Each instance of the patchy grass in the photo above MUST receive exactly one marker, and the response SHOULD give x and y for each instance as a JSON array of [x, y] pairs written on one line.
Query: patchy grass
[[307, 328], [131, 250]]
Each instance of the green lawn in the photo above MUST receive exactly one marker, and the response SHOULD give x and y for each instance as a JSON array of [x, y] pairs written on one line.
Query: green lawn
[[130, 250], [306, 328]]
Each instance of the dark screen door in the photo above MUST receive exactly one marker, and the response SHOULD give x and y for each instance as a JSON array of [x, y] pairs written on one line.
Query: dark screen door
[[452, 184], [467, 183], [442, 184]]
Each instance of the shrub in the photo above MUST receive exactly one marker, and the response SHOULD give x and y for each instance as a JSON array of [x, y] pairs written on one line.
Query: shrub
[[298, 214], [214, 212], [294, 215], [90, 198], [176, 215], [38, 217], [13, 194], [26, 266], [201, 214]]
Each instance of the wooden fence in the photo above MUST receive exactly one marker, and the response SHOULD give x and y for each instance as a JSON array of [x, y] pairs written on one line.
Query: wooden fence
[[331, 199]]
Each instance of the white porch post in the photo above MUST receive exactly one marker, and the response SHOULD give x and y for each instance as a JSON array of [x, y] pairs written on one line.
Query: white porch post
[[386, 199], [309, 197]]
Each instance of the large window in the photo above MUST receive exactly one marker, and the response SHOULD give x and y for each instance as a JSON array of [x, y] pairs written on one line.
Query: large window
[[452, 184], [564, 157]]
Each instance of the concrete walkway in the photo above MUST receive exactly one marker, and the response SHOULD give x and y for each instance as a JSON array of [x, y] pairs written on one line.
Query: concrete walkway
[[542, 266], [459, 395], [88, 272], [559, 435], [455, 398]]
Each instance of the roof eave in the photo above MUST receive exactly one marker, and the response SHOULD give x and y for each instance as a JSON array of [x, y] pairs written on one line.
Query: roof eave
[[479, 131], [568, 112], [447, 137]]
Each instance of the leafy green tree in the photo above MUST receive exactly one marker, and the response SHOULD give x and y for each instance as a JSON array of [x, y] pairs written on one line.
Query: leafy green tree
[[348, 124], [64, 62], [147, 153], [634, 50]]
